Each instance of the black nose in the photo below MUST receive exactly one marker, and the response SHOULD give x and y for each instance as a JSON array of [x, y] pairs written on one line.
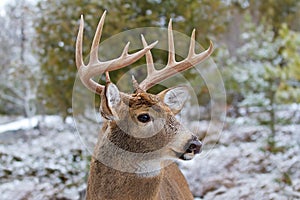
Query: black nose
[[194, 146]]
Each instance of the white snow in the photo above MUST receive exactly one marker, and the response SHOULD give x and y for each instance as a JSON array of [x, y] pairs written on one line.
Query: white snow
[[30, 123], [51, 162], [22, 124]]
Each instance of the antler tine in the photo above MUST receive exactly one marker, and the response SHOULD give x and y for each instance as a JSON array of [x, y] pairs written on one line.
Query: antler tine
[[149, 59], [96, 40], [171, 57], [173, 67], [81, 67], [125, 50], [192, 45], [78, 52], [96, 67], [107, 78]]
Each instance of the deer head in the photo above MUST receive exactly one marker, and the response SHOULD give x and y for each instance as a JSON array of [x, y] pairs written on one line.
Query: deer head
[[141, 122]]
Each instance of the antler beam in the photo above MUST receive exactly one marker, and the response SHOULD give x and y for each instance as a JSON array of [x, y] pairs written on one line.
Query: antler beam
[[97, 67], [155, 76]]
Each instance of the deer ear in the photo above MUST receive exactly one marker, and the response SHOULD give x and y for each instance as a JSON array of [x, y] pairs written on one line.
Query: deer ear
[[175, 98], [110, 101]]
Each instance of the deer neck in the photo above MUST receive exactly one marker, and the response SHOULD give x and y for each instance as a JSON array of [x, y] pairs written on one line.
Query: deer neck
[[107, 183], [116, 173]]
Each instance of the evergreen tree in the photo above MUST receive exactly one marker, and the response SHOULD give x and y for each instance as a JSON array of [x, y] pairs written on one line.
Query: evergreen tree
[[265, 70], [57, 27]]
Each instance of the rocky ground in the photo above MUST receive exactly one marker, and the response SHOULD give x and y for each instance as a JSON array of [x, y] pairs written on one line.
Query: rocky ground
[[50, 162]]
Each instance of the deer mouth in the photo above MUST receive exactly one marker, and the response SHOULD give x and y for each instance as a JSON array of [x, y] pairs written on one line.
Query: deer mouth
[[194, 147], [188, 155]]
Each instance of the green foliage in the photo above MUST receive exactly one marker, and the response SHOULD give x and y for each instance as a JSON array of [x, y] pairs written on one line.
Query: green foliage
[[289, 89], [279, 12], [265, 64], [57, 27], [264, 70], [261, 72], [272, 12]]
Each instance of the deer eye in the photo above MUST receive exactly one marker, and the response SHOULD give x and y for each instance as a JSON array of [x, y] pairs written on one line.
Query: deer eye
[[144, 118]]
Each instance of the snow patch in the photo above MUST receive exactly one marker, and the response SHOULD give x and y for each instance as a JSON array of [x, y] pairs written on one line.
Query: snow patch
[[33, 122]]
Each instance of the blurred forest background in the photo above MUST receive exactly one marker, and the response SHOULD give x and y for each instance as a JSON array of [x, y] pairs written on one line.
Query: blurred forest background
[[257, 50]]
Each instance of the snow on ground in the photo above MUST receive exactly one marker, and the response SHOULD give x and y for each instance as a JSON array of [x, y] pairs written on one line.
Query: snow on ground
[[50, 162], [239, 167], [22, 124], [33, 122]]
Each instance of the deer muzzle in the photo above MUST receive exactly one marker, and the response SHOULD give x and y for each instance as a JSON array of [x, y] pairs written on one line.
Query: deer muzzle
[[194, 147]]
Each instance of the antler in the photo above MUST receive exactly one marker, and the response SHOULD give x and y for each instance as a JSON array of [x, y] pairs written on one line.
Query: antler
[[96, 67], [155, 76]]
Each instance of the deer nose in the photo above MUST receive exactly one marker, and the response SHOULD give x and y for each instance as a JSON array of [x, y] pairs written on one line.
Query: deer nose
[[194, 146]]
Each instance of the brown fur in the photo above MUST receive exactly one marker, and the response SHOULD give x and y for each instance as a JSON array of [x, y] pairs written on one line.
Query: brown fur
[[106, 182], [141, 132], [136, 145]]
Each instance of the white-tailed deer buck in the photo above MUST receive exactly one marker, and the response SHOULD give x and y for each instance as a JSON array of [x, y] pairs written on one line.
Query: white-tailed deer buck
[[140, 134]]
